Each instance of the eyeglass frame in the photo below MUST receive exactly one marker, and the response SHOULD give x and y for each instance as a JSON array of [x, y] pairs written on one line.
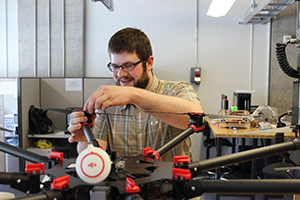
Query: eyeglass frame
[[121, 66]]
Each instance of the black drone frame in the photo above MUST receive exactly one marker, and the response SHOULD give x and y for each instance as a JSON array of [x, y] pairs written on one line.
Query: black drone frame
[[144, 169]]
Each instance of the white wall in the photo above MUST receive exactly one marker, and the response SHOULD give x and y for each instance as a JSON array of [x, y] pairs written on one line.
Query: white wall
[[9, 38], [170, 26], [8, 88], [232, 56]]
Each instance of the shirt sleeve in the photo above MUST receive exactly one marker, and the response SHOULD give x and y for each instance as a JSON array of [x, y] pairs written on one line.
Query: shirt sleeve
[[184, 90]]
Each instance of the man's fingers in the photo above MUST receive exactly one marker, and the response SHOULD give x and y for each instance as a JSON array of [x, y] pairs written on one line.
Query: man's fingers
[[71, 139], [78, 114], [94, 101], [77, 121], [74, 127], [89, 105]]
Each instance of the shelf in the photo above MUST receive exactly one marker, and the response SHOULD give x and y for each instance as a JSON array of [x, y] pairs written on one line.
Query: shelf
[[7, 135], [265, 11], [56, 134]]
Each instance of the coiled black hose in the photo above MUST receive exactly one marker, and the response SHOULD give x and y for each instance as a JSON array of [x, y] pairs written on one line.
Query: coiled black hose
[[279, 138], [283, 62]]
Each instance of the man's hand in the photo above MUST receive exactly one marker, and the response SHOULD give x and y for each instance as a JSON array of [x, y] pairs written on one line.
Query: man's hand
[[77, 118], [106, 96]]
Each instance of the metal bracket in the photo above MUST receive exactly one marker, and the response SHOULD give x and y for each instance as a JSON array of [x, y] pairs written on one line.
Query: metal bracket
[[108, 3]]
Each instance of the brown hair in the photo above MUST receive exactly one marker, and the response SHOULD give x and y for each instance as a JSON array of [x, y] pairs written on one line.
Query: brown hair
[[130, 40]]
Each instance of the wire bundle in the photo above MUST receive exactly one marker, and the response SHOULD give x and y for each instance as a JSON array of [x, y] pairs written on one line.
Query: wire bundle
[[283, 62]]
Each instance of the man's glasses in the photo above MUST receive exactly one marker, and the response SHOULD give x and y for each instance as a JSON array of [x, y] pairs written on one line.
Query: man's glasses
[[127, 67]]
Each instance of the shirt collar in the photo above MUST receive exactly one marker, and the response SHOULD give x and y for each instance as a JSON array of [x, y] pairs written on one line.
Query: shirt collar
[[154, 84]]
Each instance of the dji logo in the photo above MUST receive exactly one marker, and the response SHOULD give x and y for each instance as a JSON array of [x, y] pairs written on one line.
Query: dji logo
[[92, 165]]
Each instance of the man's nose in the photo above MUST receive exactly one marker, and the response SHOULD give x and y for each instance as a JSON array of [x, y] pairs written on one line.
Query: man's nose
[[121, 72]]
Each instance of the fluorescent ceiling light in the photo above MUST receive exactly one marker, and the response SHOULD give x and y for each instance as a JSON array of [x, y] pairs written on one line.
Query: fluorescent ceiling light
[[219, 8]]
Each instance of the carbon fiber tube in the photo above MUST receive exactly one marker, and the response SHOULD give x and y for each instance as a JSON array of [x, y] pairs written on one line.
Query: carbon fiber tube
[[226, 160], [89, 135], [252, 186], [5, 178], [48, 195], [197, 187], [22, 153], [21, 181], [179, 138]]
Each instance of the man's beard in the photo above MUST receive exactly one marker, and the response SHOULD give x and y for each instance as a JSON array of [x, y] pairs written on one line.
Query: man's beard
[[140, 83]]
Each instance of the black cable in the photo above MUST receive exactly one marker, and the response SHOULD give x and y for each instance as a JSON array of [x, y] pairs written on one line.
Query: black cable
[[279, 122], [283, 62]]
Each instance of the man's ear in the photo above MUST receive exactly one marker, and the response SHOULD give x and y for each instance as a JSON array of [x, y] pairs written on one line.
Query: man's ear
[[150, 62]]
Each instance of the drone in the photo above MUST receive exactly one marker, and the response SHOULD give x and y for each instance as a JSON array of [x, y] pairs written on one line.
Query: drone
[[128, 177]]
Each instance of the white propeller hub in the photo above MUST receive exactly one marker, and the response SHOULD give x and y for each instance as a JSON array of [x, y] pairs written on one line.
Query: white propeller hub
[[93, 165]]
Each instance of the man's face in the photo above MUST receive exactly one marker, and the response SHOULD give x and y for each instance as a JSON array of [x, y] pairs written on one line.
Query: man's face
[[137, 77]]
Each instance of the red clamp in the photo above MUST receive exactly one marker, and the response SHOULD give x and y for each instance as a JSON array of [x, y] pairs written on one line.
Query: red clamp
[[60, 182], [179, 160], [85, 123], [148, 152], [179, 173], [58, 156], [197, 129], [196, 113], [156, 155], [35, 167], [131, 187]]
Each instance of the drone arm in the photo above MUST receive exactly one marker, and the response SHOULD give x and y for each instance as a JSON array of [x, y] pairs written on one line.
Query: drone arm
[[26, 155], [165, 148], [226, 160], [196, 125], [21, 181], [89, 135], [48, 195], [5, 178], [197, 187], [252, 186]]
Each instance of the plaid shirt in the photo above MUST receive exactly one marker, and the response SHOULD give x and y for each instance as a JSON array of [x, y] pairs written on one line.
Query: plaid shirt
[[132, 129]]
